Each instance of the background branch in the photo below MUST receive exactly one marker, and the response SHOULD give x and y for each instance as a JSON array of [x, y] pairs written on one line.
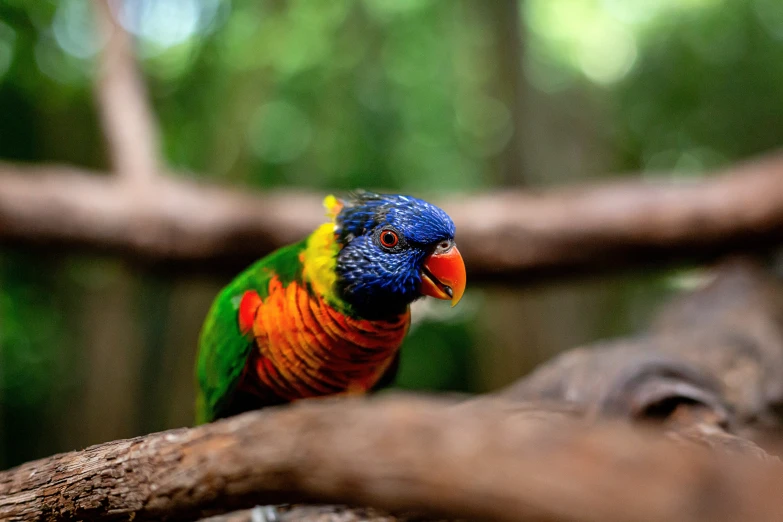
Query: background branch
[[129, 124], [510, 234]]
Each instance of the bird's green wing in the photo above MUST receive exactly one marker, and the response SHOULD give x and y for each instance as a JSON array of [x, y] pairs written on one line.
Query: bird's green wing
[[223, 349]]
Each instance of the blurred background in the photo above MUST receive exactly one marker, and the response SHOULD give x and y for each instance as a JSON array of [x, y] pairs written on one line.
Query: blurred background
[[429, 97]]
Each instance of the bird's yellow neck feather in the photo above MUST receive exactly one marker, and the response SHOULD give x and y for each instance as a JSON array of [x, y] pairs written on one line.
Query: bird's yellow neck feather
[[320, 255]]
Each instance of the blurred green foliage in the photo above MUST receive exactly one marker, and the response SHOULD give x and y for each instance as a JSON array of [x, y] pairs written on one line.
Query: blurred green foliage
[[691, 84], [393, 94]]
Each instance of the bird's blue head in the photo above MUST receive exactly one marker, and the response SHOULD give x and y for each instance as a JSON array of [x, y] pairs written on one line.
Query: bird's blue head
[[393, 250]]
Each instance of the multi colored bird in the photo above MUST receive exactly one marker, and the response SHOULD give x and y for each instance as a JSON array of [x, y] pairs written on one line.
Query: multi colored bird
[[327, 315]]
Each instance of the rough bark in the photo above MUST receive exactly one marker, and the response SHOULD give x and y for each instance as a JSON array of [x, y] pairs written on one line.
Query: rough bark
[[501, 462], [511, 234]]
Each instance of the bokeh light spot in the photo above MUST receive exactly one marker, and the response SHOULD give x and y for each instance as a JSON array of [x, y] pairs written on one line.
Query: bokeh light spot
[[7, 46], [770, 14], [74, 29], [280, 132], [608, 54], [484, 124]]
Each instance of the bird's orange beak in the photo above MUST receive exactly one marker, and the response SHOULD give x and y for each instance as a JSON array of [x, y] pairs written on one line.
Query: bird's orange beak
[[443, 276]]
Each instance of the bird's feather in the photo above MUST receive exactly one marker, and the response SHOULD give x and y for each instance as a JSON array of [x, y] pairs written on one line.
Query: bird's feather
[[223, 348]]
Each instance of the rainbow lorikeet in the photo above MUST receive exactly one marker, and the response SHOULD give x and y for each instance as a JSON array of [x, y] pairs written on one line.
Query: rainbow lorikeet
[[327, 315]]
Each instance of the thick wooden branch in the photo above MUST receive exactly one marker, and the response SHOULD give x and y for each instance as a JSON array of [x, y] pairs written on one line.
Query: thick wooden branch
[[503, 234], [485, 460], [713, 357]]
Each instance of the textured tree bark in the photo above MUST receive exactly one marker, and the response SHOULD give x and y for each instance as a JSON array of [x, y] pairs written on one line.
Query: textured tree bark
[[511, 234], [487, 460]]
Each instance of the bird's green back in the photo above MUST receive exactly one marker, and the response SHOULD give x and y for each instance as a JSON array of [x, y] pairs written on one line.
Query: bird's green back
[[223, 349]]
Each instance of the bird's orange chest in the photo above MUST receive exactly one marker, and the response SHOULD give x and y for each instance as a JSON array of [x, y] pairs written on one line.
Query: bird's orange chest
[[306, 348]]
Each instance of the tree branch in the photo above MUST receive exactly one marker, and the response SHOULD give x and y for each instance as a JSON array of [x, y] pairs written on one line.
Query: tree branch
[[510, 234], [712, 360], [311, 513], [179, 219], [475, 460], [128, 120]]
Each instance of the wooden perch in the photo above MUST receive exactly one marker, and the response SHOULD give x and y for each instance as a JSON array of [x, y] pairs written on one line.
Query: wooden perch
[[511, 234], [486, 460]]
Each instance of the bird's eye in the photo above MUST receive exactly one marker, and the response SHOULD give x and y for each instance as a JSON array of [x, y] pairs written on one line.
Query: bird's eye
[[444, 246], [389, 239]]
